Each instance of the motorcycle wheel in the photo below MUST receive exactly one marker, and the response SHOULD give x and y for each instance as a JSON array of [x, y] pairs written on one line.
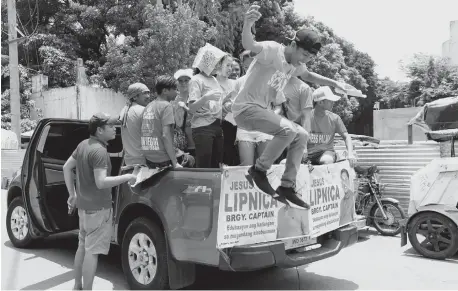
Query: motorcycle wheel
[[394, 213]]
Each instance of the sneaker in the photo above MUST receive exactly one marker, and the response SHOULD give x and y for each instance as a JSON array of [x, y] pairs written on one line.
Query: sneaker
[[259, 178], [290, 194]]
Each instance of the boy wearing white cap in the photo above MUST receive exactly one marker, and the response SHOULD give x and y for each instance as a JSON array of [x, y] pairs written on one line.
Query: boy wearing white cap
[[181, 111], [324, 124]]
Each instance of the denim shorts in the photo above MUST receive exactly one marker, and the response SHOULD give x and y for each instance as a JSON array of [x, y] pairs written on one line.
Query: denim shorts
[[252, 136]]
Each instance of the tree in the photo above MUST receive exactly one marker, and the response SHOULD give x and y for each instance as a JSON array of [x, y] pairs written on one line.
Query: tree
[[168, 42], [392, 94], [159, 40], [431, 78], [25, 90]]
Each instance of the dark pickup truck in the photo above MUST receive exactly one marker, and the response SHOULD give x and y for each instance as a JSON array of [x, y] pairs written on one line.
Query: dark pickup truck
[[165, 226]]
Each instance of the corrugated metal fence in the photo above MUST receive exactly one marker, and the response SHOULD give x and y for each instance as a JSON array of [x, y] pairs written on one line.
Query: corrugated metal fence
[[397, 162]]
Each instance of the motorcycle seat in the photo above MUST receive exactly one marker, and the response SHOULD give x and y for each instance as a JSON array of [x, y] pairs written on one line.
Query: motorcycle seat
[[366, 171]]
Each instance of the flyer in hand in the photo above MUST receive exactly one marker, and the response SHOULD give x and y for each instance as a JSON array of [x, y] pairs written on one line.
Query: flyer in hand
[[144, 173]]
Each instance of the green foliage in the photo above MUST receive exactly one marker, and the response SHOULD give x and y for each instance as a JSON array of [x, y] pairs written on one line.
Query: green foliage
[[160, 40], [168, 43], [27, 105], [430, 77]]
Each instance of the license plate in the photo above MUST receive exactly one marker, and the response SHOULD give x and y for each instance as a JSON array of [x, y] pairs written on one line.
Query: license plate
[[293, 243]]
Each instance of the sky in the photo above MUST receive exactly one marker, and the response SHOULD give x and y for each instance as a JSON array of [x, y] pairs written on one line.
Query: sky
[[388, 30]]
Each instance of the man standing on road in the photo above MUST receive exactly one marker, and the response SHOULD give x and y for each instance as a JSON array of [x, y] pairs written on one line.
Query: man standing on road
[[266, 79], [93, 196], [131, 118]]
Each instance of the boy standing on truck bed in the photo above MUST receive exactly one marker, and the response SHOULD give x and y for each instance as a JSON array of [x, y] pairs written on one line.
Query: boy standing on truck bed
[[157, 127], [266, 78], [93, 196], [131, 118]]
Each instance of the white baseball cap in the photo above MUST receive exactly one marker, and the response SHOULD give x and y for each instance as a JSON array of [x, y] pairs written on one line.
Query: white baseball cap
[[183, 73], [323, 93]]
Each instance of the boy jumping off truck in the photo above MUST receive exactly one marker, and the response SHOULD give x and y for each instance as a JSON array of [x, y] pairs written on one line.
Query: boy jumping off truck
[[273, 66]]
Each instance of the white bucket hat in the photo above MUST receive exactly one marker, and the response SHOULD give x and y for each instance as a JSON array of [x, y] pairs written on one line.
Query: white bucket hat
[[207, 58], [323, 93]]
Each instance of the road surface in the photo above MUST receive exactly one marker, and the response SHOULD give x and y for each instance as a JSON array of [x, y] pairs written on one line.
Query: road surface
[[373, 263]]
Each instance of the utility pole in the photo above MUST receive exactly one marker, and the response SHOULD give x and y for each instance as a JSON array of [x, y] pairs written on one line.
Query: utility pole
[[15, 101]]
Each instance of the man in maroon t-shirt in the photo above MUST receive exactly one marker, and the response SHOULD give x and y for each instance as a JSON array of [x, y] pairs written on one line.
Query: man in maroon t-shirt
[[92, 196]]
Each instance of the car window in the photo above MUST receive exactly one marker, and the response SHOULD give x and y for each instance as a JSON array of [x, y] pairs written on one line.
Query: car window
[[62, 140]]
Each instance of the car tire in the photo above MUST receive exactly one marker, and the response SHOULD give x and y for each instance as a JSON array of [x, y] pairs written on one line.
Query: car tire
[[144, 256], [17, 224], [450, 231]]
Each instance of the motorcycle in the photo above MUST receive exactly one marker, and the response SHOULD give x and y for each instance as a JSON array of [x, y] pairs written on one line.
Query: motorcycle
[[383, 213]]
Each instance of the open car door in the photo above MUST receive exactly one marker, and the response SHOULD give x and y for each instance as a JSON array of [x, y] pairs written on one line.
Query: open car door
[[45, 191]]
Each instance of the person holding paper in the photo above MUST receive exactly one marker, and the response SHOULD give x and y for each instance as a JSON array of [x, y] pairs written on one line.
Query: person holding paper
[[205, 103], [92, 196]]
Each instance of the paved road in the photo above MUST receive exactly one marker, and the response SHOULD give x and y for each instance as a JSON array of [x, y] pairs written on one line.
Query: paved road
[[373, 263]]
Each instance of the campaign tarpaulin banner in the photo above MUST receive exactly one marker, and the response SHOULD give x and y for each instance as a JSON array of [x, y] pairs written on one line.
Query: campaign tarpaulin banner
[[248, 216]]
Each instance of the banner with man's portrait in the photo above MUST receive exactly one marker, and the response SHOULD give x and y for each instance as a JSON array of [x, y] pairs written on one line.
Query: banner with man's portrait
[[248, 216]]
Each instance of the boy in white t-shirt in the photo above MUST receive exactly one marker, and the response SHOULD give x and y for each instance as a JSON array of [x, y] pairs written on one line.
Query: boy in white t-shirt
[[266, 78]]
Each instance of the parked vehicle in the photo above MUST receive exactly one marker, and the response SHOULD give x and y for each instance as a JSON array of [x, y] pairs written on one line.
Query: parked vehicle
[[432, 226], [383, 213], [165, 228]]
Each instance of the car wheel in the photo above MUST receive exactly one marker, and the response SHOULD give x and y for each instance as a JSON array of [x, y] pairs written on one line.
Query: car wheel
[[434, 236], [144, 256], [17, 224]]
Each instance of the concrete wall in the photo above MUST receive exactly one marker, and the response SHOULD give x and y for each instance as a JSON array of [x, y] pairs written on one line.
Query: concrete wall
[[56, 103], [93, 100], [391, 124], [450, 47], [77, 102]]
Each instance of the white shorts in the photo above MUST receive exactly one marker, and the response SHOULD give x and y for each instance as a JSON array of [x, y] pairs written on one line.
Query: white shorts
[[252, 136]]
